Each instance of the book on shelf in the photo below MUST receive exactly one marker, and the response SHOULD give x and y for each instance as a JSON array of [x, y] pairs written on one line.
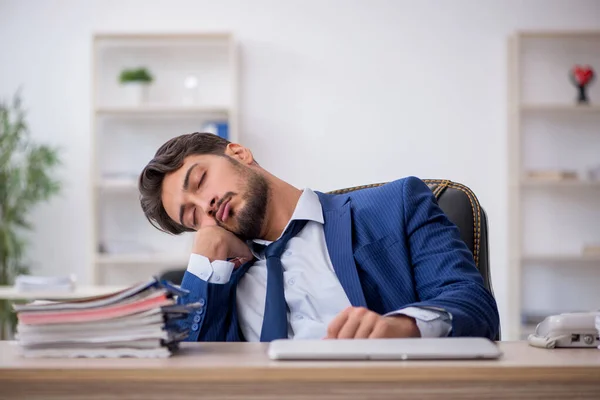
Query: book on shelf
[[139, 321], [219, 128], [556, 175]]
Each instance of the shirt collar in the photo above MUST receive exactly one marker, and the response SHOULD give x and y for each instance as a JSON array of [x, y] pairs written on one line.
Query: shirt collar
[[308, 208]]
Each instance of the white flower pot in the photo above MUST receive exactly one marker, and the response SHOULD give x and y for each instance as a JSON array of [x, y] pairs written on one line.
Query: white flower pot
[[134, 93]]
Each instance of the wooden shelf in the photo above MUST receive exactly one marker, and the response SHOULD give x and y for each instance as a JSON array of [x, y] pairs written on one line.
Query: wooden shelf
[[162, 41], [161, 111], [562, 258], [559, 184], [117, 184], [560, 34], [144, 36], [561, 108], [168, 260], [11, 293]]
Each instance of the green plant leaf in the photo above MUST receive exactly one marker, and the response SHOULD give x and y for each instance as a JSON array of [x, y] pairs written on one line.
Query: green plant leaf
[[27, 178], [136, 75]]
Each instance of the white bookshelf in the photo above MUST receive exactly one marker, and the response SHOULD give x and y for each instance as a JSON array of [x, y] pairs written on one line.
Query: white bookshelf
[[551, 220], [126, 248]]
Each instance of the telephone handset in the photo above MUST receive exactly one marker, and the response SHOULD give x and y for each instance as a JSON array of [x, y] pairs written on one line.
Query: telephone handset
[[567, 330]]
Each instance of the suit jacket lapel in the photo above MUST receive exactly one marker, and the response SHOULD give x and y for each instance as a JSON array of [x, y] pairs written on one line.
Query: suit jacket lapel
[[338, 236]]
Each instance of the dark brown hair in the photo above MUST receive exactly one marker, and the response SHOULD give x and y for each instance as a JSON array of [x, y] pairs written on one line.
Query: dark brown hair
[[168, 158]]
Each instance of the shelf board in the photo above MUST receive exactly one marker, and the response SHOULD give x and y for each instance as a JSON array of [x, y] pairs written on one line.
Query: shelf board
[[11, 293], [562, 258], [572, 183], [162, 40], [561, 108], [163, 36], [117, 185], [168, 260], [161, 111], [559, 34]]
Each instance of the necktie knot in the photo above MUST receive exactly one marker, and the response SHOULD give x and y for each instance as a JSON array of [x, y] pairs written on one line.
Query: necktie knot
[[276, 248]]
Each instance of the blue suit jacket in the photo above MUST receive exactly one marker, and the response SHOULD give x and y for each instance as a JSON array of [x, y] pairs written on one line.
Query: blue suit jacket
[[391, 247]]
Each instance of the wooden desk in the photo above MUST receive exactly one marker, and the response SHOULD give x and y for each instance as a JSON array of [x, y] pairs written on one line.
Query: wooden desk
[[243, 371]]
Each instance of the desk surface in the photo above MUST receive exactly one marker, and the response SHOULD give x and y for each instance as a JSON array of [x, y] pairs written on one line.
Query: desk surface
[[225, 366]]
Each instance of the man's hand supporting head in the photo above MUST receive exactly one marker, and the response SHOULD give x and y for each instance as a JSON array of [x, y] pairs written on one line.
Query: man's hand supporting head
[[216, 243]]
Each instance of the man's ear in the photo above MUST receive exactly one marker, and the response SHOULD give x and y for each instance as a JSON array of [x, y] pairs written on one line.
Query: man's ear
[[240, 153]]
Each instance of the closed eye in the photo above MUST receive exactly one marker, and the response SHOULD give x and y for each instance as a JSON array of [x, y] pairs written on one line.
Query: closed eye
[[201, 180]]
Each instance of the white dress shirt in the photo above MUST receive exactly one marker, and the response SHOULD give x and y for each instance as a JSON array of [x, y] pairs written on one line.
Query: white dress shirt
[[312, 290]]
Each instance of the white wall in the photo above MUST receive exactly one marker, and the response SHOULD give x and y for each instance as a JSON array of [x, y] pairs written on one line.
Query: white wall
[[334, 93]]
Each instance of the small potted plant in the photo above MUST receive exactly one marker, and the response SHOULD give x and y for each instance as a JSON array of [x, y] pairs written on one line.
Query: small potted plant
[[135, 83]]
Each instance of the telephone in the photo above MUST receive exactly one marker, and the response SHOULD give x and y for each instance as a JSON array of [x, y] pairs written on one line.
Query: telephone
[[567, 330]]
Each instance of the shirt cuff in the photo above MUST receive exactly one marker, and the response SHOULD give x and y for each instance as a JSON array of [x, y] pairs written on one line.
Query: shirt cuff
[[431, 323], [218, 271]]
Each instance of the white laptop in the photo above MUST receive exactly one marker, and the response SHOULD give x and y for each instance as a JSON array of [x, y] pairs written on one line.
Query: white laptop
[[385, 349]]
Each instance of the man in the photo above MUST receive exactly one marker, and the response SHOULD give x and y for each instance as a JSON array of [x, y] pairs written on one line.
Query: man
[[271, 261]]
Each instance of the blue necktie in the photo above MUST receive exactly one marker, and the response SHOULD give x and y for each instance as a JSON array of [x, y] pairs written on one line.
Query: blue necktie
[[275, 320]]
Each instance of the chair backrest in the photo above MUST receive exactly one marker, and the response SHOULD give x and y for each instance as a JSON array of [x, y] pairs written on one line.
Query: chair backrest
[[461, 206]]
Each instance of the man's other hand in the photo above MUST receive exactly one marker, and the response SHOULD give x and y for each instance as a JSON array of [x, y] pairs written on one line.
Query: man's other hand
[[361, 323], [217, 243]]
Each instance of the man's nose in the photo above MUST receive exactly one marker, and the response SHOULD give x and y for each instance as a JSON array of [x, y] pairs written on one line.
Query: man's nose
[[208, 204]]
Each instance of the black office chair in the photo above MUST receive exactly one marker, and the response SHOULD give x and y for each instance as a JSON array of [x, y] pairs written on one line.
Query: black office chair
[[461, 206], [173, 275]]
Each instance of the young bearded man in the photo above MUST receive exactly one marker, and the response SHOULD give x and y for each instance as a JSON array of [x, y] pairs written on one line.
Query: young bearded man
[[271, 261]]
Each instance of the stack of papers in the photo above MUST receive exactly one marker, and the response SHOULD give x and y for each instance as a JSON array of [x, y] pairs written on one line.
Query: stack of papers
[[136, 322]]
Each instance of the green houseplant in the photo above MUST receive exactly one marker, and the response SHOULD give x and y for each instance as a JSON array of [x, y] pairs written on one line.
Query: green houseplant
[[134, 85], [137, 75], [26, 179]]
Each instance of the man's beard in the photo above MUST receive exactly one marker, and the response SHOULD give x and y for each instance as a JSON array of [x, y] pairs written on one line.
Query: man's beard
[[251, 217]]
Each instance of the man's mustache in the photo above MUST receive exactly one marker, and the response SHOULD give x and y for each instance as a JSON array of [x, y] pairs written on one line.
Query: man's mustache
[[225, 197]]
